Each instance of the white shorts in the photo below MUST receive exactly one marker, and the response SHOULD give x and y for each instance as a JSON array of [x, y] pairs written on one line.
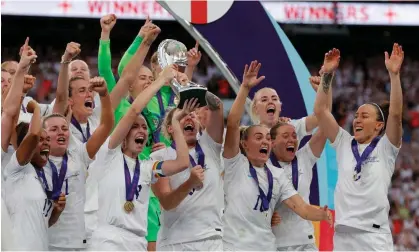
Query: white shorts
[[111, 238], [305, 247], [209, 244], [362, 241]]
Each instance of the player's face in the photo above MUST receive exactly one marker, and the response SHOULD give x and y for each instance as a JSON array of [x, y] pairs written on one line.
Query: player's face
[[79, 68], [267, 106], [145, 78], [81, 99], [190, 126], [58, 131], [137, 137], [6, 81], [286, 143], [365, 124], [40, 158], [258, 144], [203, 116], [11, 67]]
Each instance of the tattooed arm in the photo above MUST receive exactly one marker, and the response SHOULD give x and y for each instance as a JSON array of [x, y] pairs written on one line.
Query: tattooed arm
[[215, 128], [325, 118]]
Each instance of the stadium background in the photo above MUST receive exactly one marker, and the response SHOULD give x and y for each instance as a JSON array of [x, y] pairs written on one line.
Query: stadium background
[[361, 77]]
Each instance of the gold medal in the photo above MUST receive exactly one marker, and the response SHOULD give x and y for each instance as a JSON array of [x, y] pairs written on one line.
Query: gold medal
[[128, 206]]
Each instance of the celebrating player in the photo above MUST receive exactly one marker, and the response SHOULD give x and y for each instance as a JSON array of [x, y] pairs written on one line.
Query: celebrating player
[[67, 166], [366, 160], [194, 193], [253, 187], [124, 181]]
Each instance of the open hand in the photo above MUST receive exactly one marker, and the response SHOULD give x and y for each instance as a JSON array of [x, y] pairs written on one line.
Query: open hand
[[394, 62], [98, 84], [107, 22], [250, 74], [157, 146], [188, 107], [59, 204], [331, 61], [194, 56]]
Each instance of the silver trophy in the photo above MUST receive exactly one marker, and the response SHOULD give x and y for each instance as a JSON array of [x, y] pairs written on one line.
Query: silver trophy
[[174, 52]]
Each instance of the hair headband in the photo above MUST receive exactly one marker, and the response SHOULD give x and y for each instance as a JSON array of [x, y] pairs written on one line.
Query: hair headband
[[381, 111]]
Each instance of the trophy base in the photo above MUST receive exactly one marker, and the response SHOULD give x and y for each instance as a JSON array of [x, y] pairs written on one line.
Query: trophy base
[[193, 92]]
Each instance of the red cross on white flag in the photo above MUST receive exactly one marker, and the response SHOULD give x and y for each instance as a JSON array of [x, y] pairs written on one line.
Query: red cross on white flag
[[200, 11]]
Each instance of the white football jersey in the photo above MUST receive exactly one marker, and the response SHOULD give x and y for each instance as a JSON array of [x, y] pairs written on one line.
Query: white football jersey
[[46, 109], [110, 177], [245, 226], [199, 214], [28, 206], [69, 231], [94, 121], [363, 204], [300, 128], [293, 229], [5, 159]]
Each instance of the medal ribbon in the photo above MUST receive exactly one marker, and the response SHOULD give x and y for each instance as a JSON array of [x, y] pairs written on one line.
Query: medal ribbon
[[78, 127], [266, 199], [131, 185], [294, 165], [199, 153], [41, 175], [360, 159], [58, 179], [24, 109]]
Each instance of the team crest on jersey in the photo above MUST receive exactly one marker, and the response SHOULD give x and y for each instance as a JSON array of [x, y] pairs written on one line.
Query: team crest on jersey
[[155, 122]]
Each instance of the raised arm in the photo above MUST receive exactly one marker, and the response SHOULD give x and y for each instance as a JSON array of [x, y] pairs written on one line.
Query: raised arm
[[321, 106], [27, 147], [194, 56], [130, 73], [250, 79], [104, 55], [215, 129], [11, 108], [308, 212], [123, 127], [394, 122], [171, 167], [102, 132], [133, 47], [61, 99]]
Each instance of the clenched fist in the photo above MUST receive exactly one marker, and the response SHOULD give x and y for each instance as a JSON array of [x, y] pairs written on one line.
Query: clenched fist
[[28, 82], [197, 177], [32, 106], [107, 22], [98, 84], [71, 51], [315, 82]]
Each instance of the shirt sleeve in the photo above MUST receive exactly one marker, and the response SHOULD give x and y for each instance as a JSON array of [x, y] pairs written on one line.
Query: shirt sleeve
[[286, 188], [300, 127], [389, 151], [342, 137], [233, 166], [160, 155], [80, 151], [13, 169], [306, 155], [105, 63], [212, 145], [103, 159], [156, 171], [129, 53]]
